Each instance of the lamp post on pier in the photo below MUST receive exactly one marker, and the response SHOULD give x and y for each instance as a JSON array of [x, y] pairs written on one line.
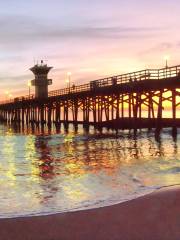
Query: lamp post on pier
[[166, 58], [69, 74], [7, 94], [10, 96], [29, 86]]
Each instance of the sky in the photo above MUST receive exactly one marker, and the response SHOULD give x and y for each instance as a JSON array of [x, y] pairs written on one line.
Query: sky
[[91, 39]]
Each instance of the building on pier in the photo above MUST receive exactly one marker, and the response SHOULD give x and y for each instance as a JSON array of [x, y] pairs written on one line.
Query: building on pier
[[41, 80]]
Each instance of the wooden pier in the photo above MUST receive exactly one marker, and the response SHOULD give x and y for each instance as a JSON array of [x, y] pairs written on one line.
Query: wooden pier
[[117, 101]]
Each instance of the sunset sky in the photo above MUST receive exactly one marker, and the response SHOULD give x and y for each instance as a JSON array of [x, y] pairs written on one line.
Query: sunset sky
[[91, 39]]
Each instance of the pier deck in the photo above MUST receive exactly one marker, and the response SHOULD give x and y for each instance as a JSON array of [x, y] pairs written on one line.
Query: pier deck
[[107, 101]]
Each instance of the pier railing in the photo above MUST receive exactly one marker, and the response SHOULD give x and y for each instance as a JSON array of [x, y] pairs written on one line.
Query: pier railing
[[148, 74]]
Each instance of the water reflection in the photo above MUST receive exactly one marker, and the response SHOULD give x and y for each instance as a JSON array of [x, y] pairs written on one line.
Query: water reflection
[[46, 168], [45, 171]]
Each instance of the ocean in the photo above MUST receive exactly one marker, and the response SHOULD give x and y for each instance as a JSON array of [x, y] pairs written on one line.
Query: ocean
[[46, 172]]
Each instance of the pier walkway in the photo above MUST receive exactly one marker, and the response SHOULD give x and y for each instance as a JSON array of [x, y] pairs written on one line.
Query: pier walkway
[[118, 101]]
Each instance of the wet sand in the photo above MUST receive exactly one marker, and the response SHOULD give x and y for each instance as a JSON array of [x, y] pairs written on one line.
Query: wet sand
[[153, 217]]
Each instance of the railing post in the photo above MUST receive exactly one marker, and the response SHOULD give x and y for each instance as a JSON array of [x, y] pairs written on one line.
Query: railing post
[[174, 104]]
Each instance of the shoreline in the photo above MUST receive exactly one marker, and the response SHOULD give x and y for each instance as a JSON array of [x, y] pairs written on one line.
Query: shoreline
[[154, 216], [78, 209]]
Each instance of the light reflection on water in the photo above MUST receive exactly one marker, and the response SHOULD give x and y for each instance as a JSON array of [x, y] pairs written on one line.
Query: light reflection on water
[[53, 172]]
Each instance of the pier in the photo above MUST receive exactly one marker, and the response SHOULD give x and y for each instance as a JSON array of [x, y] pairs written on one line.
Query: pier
[[114, 102]]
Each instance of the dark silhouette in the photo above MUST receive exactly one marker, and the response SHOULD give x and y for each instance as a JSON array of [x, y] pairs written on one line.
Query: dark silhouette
[[114, 102]]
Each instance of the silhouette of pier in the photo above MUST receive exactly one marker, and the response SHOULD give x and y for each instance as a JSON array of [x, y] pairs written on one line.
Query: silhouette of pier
[[114, 102]]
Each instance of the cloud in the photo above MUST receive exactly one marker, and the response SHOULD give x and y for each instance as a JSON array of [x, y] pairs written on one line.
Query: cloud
[[161, 48], [15, 79], [21, 31]]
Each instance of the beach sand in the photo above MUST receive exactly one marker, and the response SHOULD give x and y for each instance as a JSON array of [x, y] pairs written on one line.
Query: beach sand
[[152, 217]]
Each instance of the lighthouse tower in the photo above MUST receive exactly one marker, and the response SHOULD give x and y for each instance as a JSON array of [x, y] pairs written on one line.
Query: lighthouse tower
[[41, 80]]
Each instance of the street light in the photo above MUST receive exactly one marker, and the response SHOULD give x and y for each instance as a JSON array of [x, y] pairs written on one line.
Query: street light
[[7, 94], [166, 58], [29, 85], [10, 95], [68, 81]]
